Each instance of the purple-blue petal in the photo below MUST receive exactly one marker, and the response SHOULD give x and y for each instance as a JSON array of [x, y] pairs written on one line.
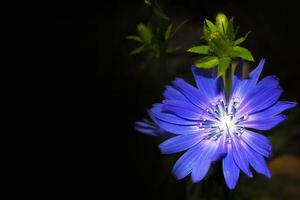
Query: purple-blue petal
[[182, 109], [258, 142], [185, 163], [203, 162], [191, 93], [242, 87], [259, 100], [256, 161], [157, 112], [221, 150], [176, 128], [172, 94], [230, 169], [148, 128], [180, 143], [265, 124], [206, 83], [240, 157], [275, 109]]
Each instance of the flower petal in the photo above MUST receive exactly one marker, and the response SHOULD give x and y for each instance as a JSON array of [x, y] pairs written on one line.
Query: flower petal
[[186, 110], [172, 94], [182, 109], [275, 109], [221, 150], [185, 163], [156, 111], [230, 169], [149, 128], [260, 99], [241, 87], [205, 82], [240, 158], [265, 124], [256, 161], [258, 142], [203, 162], [191, 93], [180, 143]]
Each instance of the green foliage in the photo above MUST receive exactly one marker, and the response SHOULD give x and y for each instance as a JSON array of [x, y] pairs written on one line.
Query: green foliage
[[224, 63], [207, 62], [220, 37], [145, 33], [168, 32], [203, 49], [242, 53]]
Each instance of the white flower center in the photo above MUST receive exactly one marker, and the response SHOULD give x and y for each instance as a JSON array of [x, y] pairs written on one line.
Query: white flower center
[[223, 122]]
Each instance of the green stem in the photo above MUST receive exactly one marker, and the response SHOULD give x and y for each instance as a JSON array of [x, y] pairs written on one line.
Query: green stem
[[228, 82]]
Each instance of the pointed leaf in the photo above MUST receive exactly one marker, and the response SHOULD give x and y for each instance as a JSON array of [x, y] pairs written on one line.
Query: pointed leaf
[[203, 49], [137, 50], [160, 12], [135, 38], [207, 62], [179, 27], [230, 30], [168, 32], [223, 65], [242, 53], [241, 39], [145, 33], [210, 25]]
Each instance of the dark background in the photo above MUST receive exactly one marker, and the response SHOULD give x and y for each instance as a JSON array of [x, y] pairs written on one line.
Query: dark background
[[84, 43]]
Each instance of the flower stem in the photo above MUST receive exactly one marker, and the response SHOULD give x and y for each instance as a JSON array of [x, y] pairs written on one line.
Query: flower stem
[[228, 82]]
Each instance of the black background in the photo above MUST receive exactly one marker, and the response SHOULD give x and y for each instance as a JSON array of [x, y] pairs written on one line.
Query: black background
[[83, 43]]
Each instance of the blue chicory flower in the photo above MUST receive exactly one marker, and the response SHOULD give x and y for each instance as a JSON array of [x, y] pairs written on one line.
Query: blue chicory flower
[[211, 129]]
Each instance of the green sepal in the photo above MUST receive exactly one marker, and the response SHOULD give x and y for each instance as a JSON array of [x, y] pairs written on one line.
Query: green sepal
[[207, 62], [135, 38], [223, 65], [179, 27], [242, 52], [222, 23], [145, 33], [203, 49], [160, 12], [230, 33], [168, 32], [137, 50], [241, 39], [210, 26]]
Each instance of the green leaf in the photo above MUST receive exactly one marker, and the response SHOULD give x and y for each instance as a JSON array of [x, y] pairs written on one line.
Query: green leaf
[[179, 27], [241, 39], [137, 50], [230, 30], [135, 38], [168, 32], [203, 49], [160, 12], [207, 62], [145, 33], [210, 25], [242, 53], [223, 65]]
